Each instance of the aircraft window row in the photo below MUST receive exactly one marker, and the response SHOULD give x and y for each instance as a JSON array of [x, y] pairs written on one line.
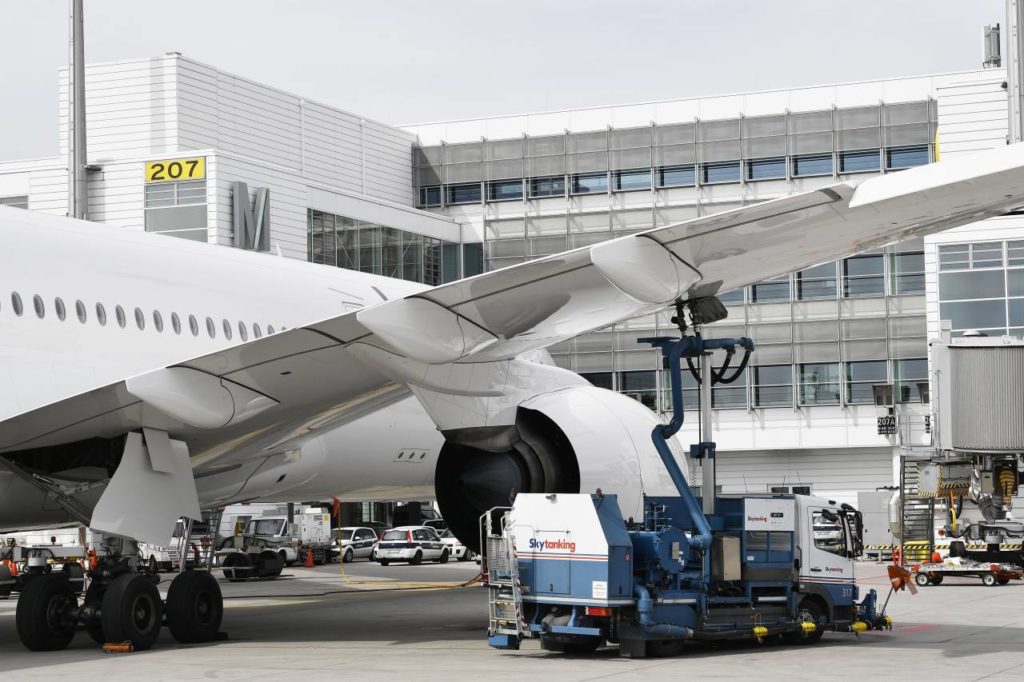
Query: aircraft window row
[[39, 306]]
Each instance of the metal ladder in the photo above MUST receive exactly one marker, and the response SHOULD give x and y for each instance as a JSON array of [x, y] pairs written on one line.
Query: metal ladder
[[505, 597], [918, 512]]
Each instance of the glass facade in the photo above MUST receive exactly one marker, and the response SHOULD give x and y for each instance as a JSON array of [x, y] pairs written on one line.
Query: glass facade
[[368, 247], [824, 335], [15, 201], [981, 287]]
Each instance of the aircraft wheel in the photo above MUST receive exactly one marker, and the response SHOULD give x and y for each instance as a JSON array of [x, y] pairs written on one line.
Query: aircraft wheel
[[195, 607], [42, 616], [132, 611], [94, 596]]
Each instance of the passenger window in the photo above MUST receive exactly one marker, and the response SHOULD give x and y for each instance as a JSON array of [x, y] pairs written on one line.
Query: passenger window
[[119, 314], [37, 303], [175, 323], [158, 321], [227, 330], [101, 314], [16, 303], [256, 332], [58, 306], [193, 324], [140, 319], [243, 333], [211, 328], [80, 311], [829, 533], [270, 329]]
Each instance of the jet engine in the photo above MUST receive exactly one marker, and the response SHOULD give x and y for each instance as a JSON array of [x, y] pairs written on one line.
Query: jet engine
[[575, 439]]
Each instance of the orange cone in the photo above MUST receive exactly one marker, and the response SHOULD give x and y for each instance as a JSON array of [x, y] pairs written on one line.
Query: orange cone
[[309, 557]]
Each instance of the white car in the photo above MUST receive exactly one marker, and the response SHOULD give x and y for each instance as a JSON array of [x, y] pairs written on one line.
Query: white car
[[355, 543], [455, 546], [413, 544]]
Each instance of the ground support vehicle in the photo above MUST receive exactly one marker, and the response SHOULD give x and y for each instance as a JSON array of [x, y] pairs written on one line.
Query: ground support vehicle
[[21, 563], [991, 574], [242, 557], [568, 568], [310, 532]]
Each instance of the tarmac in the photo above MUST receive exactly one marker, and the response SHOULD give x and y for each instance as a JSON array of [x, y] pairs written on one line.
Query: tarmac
[[312, 624]]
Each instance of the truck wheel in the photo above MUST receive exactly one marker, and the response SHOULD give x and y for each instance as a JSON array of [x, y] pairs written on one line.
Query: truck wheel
[[347, 556], [284, 557], [132, 611], [937, 579], [195, 607], [809, 611], [989, 580], [41, 617], [921, 579], [415, 561], [1002, 580], [664, 648], [584, 646], [443, 559]]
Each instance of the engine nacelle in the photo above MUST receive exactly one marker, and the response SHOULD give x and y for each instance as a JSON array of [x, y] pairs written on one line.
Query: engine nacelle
[[579, 438]]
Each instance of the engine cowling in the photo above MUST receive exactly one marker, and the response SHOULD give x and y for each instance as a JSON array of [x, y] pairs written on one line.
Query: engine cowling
[[576, 439]]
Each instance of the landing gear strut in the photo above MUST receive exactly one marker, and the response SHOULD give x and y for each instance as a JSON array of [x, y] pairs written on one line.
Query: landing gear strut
[[121, 605]]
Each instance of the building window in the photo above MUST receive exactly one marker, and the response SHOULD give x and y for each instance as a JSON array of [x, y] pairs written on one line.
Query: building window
[[430, 196], [734, 297], [600, 379], [977, 292], [730, 396], [773, 385], [860, 377], [589, 183], [859, 162], [907, 272], [816, 283], [908, 375], [641, 386], [812, 164], [20, 201], [177, 209], [819, 383], [677, 176], [906, 157], [463, 194], [766, 169], [976, 256], [782, 489], [632, 179], [776, 289], [504, 190], [551, 186], [712, 173], [864, 275]]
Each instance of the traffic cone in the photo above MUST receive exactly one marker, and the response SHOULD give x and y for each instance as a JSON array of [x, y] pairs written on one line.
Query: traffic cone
[[309, 557]]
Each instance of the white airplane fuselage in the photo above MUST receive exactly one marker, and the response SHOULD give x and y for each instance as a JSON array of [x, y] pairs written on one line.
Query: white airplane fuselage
[[86, 305]]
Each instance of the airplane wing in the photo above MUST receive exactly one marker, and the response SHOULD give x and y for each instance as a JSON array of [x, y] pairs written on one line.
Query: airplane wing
[[272, 391]]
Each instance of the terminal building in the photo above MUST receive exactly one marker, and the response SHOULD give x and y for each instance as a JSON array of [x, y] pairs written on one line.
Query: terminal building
[[181, 148]]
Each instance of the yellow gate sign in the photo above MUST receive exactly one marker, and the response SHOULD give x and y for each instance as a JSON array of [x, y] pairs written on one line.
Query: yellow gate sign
[[175, 170]]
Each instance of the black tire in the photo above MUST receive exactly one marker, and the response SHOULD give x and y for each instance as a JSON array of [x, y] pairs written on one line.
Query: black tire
[[664, 648], [195, 607], [582, 647], [922, 579], [284, 557], [94, 595], [417, 558], [233, 561], [132, 611], [466, 556], [383, 562], [153, 566], [1002, 580], [989, 580], [41, 613], [808, 610], [443, 559], [937, 579], [5, 577], [346, 558]]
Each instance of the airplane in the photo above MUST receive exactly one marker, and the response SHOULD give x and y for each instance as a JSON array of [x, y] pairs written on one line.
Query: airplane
[[147, 377]]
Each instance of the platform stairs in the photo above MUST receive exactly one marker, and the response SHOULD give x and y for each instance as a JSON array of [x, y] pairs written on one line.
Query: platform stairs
[[918, 514], [505, 597]]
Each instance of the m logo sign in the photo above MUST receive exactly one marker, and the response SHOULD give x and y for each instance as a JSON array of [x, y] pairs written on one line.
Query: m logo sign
[[251, 222]]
